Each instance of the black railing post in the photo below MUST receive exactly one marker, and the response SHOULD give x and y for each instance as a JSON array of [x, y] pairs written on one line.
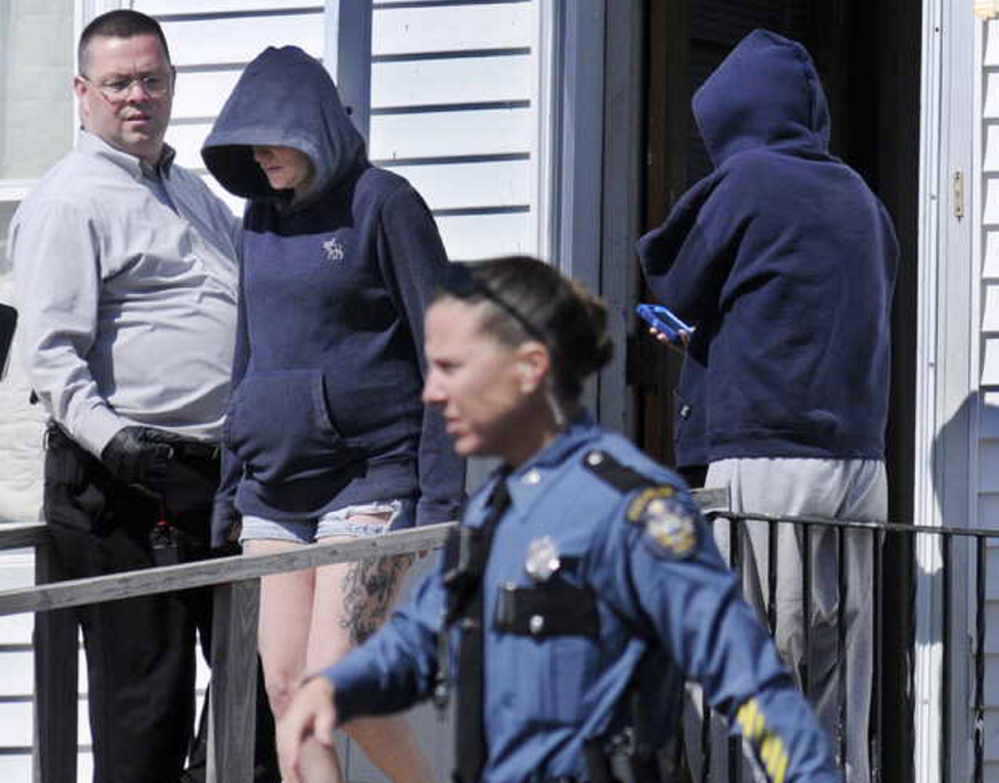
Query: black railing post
[[233, 693], [706, 739], [772, 554], [945, 674], [841, 666], [806, 605], [876, 729], [735, 539], [978, 726], [56, 699]]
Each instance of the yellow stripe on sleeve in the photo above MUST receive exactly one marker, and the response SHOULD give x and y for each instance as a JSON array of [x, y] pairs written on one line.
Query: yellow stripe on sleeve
[[781, 770], [770, 747]]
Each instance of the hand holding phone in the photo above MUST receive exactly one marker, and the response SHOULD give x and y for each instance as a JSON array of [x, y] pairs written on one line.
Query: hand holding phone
[[664, 321]]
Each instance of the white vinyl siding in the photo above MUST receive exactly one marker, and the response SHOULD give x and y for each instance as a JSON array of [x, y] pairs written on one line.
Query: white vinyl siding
[[458, 105], [36, 111], [454, 100], [36, 104], [16, 678], [36, 129], [986, 481]]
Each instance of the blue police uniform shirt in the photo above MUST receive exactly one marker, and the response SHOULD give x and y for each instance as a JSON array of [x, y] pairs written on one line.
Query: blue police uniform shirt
[[663, 606]]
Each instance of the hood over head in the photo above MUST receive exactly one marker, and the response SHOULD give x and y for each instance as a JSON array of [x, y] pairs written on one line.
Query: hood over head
[[284, 98], [766, 93]]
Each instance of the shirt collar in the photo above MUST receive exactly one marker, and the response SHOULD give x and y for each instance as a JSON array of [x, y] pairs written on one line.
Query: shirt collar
[[529, 482], [138, 168], [581, 429]]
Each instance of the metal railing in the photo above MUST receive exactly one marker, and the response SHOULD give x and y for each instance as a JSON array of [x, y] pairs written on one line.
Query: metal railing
[[962, 551], [236, 597]]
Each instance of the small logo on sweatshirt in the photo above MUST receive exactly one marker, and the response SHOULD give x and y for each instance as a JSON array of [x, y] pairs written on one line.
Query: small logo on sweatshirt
[[333, 249]]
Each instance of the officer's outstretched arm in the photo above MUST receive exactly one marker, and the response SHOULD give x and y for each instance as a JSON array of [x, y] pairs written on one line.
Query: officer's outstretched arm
[[692, 602]]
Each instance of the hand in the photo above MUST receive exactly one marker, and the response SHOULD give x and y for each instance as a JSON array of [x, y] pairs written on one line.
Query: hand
[[679, 343], [308, 721], [139, 455], [226, 517]]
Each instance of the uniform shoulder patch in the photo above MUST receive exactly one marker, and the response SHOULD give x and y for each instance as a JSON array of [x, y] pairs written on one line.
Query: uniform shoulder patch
[[669, 516], [670, 522]]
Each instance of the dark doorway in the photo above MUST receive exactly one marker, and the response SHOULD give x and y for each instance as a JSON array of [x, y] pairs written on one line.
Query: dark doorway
[[868, 56]]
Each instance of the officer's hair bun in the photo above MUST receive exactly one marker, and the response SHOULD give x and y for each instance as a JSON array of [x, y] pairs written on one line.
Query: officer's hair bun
[[531, 300]]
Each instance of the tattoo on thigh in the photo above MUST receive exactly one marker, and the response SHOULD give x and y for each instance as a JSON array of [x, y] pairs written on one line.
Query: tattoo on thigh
[[369, 588]]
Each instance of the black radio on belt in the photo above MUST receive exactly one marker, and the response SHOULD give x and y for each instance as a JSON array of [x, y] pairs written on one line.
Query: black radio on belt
[[164, 541]]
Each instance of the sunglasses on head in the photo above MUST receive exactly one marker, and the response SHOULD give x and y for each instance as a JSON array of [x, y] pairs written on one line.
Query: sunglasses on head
[[460, 283]]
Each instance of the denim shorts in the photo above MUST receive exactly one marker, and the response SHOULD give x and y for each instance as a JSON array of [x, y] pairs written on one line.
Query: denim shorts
[[337, 523]]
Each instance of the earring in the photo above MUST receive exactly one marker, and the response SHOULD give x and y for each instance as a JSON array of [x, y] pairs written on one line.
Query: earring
[[553, 403]]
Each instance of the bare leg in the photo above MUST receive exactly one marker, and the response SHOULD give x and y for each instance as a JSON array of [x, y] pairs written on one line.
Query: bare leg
[[283, 632], [351, 602]]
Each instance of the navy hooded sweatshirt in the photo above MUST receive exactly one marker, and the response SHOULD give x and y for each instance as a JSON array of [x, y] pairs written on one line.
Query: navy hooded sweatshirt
[[785, 262], [325, 410]]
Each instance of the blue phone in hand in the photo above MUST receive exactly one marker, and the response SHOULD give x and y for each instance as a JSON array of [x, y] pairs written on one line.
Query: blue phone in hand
[[663, 320]]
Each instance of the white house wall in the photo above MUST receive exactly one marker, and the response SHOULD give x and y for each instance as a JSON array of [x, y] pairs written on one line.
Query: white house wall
[[985, 484], [36, 56]]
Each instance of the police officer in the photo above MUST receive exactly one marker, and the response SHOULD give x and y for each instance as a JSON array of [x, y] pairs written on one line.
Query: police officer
[[583, 586]]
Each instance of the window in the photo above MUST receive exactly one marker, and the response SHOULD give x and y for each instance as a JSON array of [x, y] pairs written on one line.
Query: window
[[36, 102]]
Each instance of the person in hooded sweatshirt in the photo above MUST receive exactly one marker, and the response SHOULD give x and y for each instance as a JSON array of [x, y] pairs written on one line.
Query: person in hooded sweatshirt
[[326, 435], [785, 261]]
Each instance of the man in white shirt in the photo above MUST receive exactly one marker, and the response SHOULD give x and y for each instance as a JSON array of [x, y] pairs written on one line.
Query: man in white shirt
[[125, 278]]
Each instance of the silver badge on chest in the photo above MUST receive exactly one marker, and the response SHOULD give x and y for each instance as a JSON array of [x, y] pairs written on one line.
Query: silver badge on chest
[[542, 559]]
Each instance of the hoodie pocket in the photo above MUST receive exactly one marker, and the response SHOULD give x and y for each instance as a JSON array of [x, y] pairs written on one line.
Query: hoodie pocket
[[280, 427]]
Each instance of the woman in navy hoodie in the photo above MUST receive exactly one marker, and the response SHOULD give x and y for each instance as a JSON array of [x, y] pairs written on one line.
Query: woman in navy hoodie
[[326, 434]]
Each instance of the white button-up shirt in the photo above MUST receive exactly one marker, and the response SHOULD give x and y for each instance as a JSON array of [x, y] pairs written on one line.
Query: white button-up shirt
[[125, 281]]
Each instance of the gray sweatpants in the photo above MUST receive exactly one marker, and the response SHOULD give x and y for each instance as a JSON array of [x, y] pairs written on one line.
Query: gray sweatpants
[[840, 489]]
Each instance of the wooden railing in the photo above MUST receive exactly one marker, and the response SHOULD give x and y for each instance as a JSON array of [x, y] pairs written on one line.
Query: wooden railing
[[236, 582]]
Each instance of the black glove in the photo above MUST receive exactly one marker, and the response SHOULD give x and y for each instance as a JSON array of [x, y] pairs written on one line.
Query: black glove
[[139, 455]]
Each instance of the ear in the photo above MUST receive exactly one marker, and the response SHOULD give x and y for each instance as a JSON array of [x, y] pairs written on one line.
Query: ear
[[80, 87], [533, 365]]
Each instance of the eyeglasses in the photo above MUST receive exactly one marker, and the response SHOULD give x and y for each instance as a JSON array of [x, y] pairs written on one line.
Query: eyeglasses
[[461, 284], [117, 90]]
